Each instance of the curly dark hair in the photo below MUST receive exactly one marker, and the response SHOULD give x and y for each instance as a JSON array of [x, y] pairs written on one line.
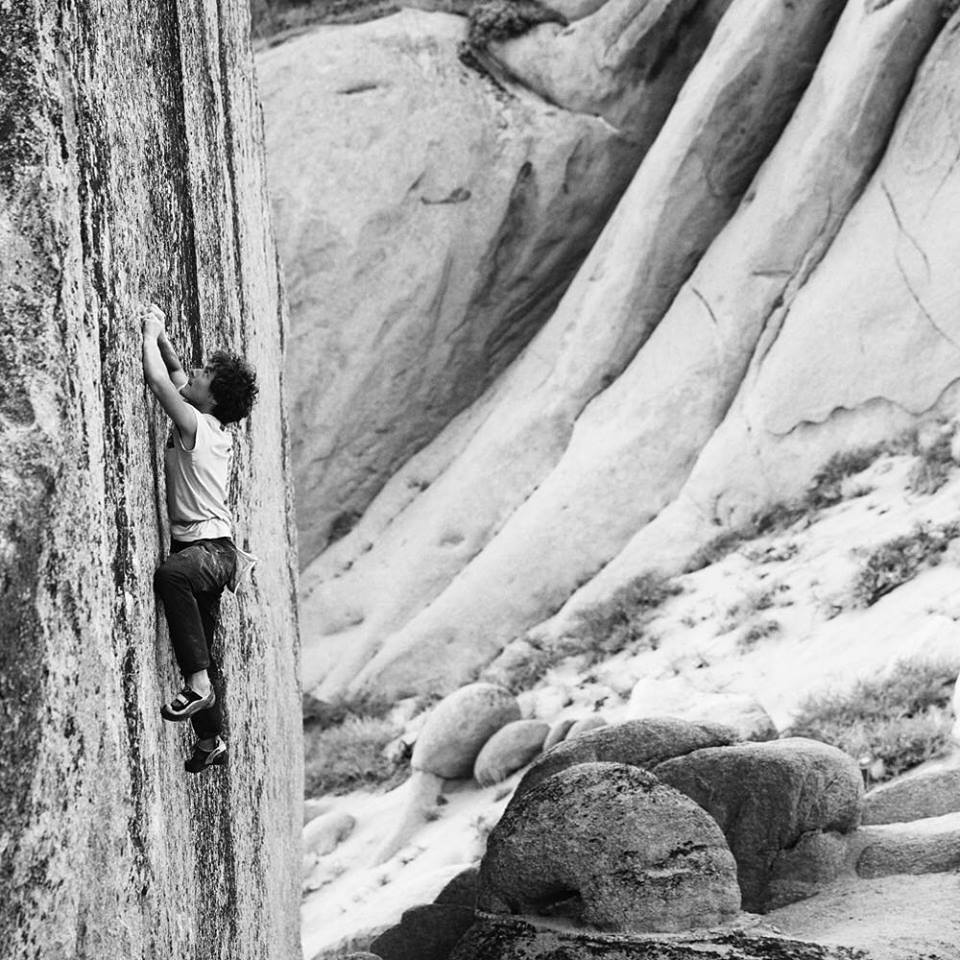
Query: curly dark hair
[[234, 386]]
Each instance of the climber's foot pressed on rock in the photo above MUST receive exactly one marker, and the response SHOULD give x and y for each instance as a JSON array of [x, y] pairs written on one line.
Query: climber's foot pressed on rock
[[186, 703], [206, 754]]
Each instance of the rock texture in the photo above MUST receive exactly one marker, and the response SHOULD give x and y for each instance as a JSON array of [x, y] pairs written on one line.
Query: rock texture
[[500, 939], [931, 845], [132, 170], [427, 932], [412, 283], [640, 743], [783, 806], [932, 793], [751, 224], [607, 845]]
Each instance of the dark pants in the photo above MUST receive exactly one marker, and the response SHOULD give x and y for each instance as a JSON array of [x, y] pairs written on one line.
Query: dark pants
[[190, 582]]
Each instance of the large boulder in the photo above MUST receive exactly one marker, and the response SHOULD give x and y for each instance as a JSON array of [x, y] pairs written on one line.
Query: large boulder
[[784, 806], [426, 932], [608, 845], [459, 726], [132, 170], [487, 534], [501, 938], [428, 223], [931, 845], [640, 743]]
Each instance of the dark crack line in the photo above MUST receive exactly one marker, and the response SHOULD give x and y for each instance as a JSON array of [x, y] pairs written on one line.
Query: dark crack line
[[706, 306], [901, 227], [916, 299]]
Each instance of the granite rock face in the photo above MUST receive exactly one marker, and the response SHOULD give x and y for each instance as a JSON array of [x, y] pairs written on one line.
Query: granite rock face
[[783, 187], [132, 170]]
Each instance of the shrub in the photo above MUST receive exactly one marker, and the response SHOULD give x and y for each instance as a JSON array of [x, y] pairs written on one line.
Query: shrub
[[933, 466], [900, 559], [618, 622], [825, 491], [344, 757], [753, 634], [901, 720]]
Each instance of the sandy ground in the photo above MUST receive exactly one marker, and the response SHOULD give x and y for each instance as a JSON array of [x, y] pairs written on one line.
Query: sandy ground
[[825, 641]]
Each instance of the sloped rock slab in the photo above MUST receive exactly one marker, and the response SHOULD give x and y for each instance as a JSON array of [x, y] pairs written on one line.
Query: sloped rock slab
[[427, 932], [608, 845], [931, 845], [770, 798], [640, 743], [493, 938], [511, 748], [929, 794]]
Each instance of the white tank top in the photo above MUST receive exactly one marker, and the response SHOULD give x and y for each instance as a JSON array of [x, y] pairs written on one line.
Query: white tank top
[[197, 482]]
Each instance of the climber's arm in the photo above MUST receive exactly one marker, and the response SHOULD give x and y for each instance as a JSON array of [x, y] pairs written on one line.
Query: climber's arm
[[171, 361], [161, 381]]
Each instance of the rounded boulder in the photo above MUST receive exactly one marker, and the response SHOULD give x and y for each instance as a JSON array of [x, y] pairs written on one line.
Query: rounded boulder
[[767, 798], [459, 726], [608, 845], [509, 749], [639, 743]]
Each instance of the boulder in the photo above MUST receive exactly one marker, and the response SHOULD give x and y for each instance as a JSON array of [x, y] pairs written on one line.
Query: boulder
[[459, 726], [558, 732], [326, 832], [510, 748], [427, 932], [931, 845], [580, 727], [133, 170], [412, 283], [610, 846], [501, 938], [447, 606], [461, 890], [767, 797], [640, 743], [931, 793]]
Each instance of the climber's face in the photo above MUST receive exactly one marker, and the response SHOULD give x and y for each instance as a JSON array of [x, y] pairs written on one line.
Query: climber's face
[[196, 391]]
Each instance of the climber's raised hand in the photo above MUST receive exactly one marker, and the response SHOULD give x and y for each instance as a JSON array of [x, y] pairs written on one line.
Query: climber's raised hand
[[152, 321]]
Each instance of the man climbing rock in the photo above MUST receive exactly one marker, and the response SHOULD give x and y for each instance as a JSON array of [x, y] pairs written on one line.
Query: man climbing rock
[[203, 558]]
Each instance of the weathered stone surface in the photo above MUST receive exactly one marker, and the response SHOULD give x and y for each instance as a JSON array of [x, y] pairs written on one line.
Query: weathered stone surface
[[931, 845], [767, 797], [728, 116], [428, 932], [428, 224], [325, 833], [510, 748], [608, 845], [494, 938], [131, 170], [640, 743], [558, 732], [723, 338], [929, 794], [459, 726], [623, 63]]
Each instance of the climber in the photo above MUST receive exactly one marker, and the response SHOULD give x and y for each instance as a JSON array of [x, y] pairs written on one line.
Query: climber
[[203, 557]]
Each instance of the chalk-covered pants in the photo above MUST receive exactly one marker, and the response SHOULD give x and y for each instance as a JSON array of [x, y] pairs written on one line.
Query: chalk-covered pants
[[190, 582]]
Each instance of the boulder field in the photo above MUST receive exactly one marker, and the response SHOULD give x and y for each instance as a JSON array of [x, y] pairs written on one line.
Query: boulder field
[[774, 285]]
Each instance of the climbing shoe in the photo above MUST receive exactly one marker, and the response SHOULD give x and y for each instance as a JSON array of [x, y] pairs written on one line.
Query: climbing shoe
[[204, 759], [186, 703]]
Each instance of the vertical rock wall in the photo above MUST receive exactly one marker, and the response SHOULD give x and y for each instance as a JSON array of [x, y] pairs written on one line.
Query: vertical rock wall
[[131, 170]]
